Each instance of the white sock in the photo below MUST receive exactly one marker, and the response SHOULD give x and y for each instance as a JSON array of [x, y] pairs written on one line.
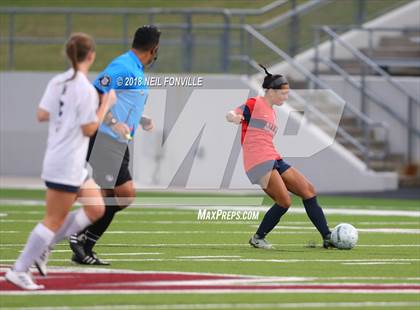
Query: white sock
[[37, 243], [75, 221]]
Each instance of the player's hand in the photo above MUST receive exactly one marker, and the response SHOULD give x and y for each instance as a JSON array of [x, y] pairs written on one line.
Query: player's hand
[[121, 129], [234, 118], [147, 123]]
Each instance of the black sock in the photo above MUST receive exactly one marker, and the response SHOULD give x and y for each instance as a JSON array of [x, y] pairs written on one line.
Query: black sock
[[95, 231], [317, 216], [270, 220]]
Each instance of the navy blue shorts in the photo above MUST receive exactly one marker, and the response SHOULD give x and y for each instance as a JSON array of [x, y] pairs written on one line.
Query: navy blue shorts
[[110, 161], [256, 173], [62, 187]]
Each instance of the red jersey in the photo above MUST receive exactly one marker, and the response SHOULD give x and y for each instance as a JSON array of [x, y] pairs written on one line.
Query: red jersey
[[258, 129]]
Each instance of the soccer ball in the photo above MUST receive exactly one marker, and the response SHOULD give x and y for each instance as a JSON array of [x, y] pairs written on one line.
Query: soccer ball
[[344, 236]]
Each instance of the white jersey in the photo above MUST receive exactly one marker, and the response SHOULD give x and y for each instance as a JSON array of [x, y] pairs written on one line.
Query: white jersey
[[70, 105]]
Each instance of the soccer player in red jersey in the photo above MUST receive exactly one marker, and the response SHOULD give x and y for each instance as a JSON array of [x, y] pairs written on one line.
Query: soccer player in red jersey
[[264, 165]]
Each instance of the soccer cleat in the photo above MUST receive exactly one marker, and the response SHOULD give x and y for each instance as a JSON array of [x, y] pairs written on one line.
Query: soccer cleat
[[41, 263], [77, 246], [89, 260], [327, 242], [260, 243], [22, 280]]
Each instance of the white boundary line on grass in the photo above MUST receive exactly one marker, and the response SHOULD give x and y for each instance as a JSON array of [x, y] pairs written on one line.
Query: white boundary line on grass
[[350, 210], [243, 260], [300, 305], [288, 224], [209, 291], [278, 230], [60, 269], [376, 263], [154, 245]]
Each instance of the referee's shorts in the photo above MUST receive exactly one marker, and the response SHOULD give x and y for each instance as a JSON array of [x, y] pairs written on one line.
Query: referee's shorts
[[109, 160]]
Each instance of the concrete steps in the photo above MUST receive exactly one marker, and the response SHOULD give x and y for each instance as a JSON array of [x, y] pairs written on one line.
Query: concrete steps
[[396, 55]]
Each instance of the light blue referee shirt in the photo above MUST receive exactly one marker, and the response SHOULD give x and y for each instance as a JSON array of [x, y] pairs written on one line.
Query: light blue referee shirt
[[126, 76]]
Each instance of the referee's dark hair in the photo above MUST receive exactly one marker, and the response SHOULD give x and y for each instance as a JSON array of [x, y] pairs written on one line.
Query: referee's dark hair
[[146, 38]]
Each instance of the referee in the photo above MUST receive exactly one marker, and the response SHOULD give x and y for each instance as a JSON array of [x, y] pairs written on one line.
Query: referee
[[108, 150]]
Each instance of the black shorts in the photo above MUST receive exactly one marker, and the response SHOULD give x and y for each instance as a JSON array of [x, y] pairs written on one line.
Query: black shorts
[[110, 161], [256, 173], [62, 187]]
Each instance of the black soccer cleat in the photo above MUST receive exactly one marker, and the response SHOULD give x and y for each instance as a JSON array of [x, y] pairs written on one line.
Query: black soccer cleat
[[327, 242], [77, 245], [91, 259]]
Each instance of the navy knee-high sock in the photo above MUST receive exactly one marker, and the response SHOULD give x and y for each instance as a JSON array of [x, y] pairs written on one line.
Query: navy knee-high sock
[[270, 220], [96, 230], [316, 215]]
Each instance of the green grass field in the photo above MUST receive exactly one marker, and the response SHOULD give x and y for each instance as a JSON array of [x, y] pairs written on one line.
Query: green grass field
[[161, 234]]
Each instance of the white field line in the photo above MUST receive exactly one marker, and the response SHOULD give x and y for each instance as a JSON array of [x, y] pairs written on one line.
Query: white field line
[[86, 269], [390, 230], [243, 260], [152, 245], [167, 232], [59, 269], [128, 254], [113, 254], [210, 256], [374, 230], [245, 282], [276, 231], [207, 291], [196, 222], [180, 222], [300, 305], [376, 263], [349, 210]]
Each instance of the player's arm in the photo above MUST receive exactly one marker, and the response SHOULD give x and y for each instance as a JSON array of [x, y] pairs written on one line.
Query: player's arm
[[103, 83], [107, 100], [42, 115], [118, 127], [235, 116], [147, 123]]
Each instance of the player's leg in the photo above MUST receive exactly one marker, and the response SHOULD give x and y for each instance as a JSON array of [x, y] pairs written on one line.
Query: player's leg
[[93, 208], [58, 204], [274, 186], [297, 183], [122, 196], [110, 163]]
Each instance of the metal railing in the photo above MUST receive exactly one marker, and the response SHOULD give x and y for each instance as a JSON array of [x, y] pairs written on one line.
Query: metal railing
[[224, 38], [367, 95], [315, 82]]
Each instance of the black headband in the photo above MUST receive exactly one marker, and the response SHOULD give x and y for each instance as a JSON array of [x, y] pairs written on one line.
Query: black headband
[[273, 81]]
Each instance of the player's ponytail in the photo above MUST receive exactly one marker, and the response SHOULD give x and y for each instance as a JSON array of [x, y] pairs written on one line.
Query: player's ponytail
[[71, 51], [271, 81], [265, 70], [77, 48]]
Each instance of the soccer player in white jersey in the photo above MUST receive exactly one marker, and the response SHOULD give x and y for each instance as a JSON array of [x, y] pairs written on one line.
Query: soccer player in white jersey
[[70, 104]]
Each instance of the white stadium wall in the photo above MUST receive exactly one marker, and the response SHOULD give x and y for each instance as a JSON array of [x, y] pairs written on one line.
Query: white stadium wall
[[197, 149]]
